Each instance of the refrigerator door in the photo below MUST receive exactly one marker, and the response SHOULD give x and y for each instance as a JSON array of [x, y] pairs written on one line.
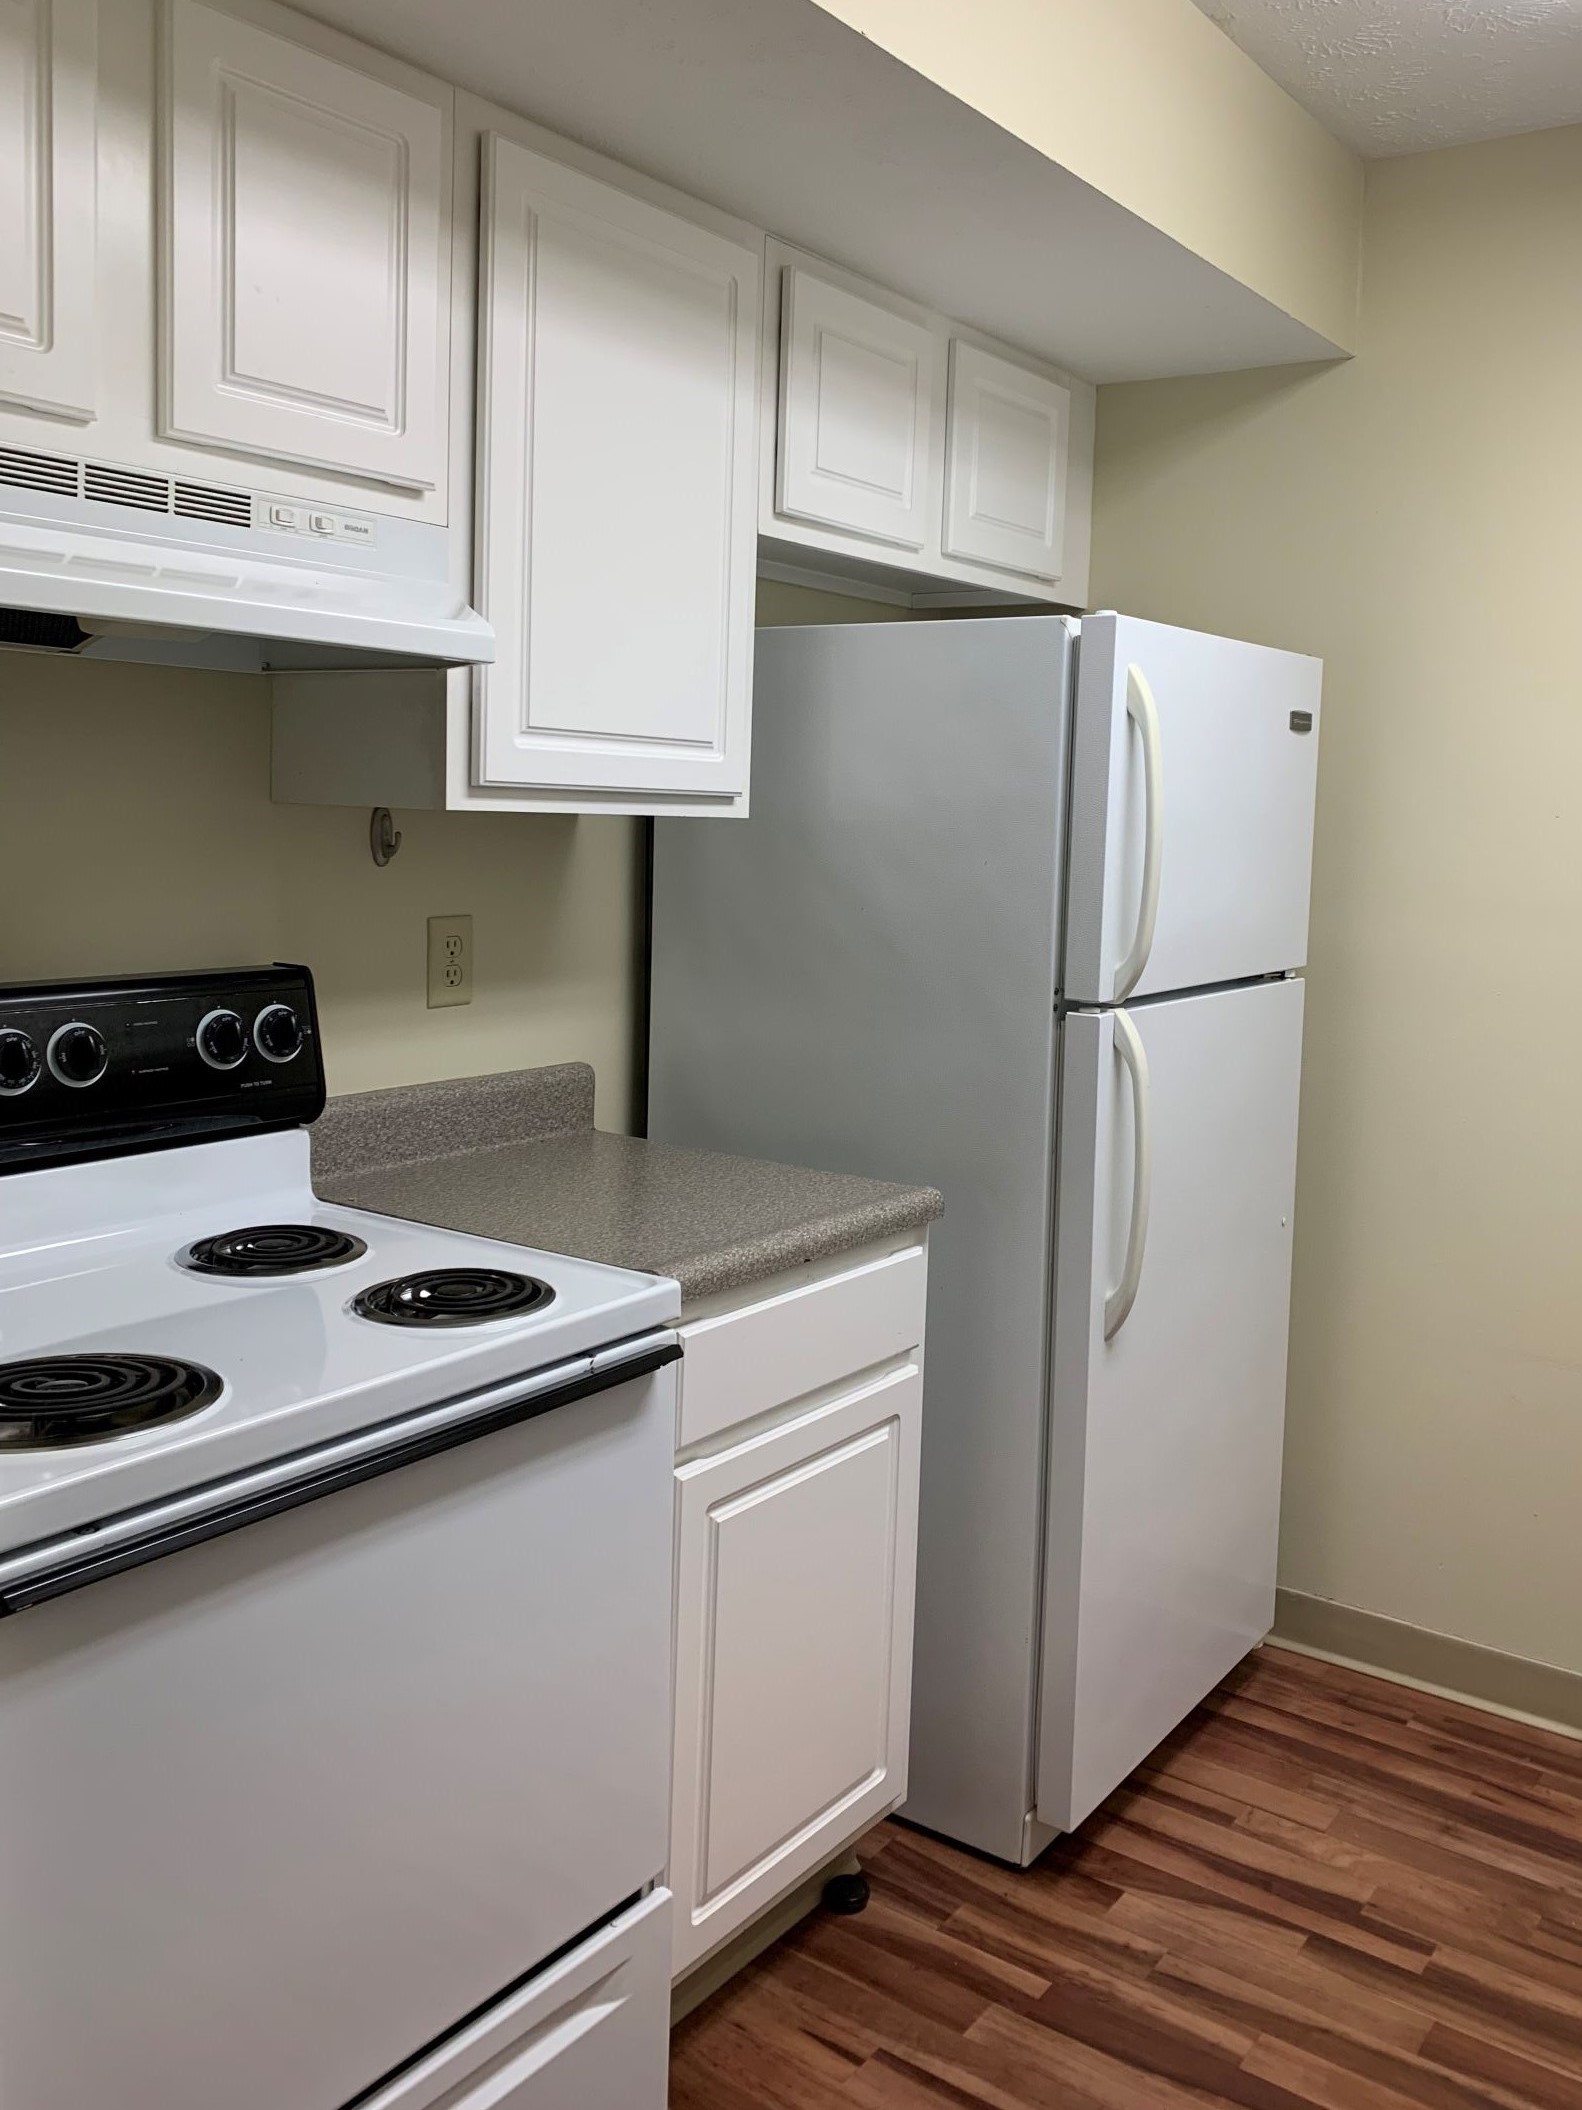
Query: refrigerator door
[[861, 977], [1194, 762], [1177, 1171]]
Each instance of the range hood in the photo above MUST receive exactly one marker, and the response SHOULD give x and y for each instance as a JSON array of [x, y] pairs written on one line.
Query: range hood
[[113, 562]]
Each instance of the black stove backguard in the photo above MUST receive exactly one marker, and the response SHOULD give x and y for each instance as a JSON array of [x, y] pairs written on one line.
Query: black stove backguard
[[100, 1069]]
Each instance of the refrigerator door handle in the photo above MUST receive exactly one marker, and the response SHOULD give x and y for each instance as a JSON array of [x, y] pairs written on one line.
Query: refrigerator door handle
[[1129, 1047], [1144, 714]]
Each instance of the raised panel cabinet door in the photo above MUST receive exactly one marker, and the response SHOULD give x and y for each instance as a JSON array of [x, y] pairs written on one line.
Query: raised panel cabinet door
[[617, 403], [48, 127], [856, 414], [306, 253], [1005, 476], [796, 1555]]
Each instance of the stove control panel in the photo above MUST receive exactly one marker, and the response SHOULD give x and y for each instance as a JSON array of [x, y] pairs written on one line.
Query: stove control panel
[[93, 1069]]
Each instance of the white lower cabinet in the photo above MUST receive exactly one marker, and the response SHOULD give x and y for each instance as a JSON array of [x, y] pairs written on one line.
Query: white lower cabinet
[[590, 2033], [796, 1551]]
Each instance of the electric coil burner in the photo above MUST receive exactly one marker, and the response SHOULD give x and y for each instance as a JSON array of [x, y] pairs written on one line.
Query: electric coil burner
[[273, 1249], [55, 1401], [452, 1296]]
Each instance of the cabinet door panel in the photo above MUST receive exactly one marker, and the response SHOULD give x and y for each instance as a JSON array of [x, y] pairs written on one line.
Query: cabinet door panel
[[796, 1554], [856, 414], [617, 403], [1005, 493], [307, 254], [48, 100]]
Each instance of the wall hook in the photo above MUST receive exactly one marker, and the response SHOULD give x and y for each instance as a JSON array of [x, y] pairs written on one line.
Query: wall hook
[[384, 837]]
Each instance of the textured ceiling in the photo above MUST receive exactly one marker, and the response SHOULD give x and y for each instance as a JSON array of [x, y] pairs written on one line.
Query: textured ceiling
[[1397, 76]]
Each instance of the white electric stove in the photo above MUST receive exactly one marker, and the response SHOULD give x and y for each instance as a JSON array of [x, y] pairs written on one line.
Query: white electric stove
[[334, 1603]]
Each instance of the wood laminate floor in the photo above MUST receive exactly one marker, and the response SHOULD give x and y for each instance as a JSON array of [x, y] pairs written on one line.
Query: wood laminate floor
[[1324, 1890]]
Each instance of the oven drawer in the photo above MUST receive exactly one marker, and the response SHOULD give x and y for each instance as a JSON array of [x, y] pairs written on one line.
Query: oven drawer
[[590, 2033], [306, 1792]]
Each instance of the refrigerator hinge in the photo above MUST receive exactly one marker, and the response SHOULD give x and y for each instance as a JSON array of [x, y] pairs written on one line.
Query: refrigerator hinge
[[1036, 1835]]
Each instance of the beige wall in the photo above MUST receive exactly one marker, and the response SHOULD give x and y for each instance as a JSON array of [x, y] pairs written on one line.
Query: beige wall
[[1414, 518], [1152, 105], [136, 832], [782, 604]]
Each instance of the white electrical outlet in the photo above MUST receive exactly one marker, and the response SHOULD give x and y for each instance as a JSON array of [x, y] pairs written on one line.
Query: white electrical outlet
[[449, 960]]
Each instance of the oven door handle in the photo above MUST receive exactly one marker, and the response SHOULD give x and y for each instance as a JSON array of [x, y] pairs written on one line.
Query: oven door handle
[[63, 1565]]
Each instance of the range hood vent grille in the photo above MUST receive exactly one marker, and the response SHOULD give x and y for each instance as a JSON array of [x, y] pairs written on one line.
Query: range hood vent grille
[[40, 472], [126, 487], [113, 485], [213, 502], [118, 561]]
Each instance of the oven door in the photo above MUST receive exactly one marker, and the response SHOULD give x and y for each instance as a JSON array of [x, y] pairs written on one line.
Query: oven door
[[304, 1771]]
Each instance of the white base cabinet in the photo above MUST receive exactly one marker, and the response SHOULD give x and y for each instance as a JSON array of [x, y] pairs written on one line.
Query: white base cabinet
[[796, 1555]]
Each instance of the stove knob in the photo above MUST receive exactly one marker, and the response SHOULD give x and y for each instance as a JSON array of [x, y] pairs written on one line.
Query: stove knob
[[222, 1040], [77, 1054], [278, 1033], [19, 1063]]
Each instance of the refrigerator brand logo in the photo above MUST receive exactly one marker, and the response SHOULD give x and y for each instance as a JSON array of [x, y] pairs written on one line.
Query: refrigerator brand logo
[[1301, 721]]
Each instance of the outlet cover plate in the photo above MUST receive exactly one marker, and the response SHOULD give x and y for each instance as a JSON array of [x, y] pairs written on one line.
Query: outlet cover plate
[[449, 961]]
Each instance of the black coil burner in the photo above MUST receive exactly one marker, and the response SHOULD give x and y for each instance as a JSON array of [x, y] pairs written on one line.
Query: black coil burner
[[55, 1401], [273, 1249], [453, 1296]]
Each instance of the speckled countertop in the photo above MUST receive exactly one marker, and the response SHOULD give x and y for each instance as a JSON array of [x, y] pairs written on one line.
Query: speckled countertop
[[516, 1156]]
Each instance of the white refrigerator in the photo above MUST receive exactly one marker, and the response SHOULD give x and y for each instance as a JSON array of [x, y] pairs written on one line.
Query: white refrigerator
[[1019, 912]]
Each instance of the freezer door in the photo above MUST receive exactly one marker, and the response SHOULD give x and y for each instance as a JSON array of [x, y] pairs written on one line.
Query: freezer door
[[1194, 762], [1177, 1170]]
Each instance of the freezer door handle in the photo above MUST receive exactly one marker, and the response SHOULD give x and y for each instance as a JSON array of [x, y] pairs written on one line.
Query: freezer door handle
[[1143, 712], [57, 1569], [1129, 1047]]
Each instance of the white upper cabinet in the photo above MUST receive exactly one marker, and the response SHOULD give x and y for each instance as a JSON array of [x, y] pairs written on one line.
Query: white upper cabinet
[[856, 414], [923, 459], [1005, 474], [617, 492], [305, 238], [48, 148]]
